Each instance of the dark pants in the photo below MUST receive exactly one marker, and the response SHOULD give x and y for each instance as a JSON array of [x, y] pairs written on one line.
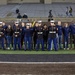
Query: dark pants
[[5, 38], [22, 39], [66, 41], [54, 42], [17, 42], [45, 42], [28, 42], [35, 40], [39, 41], [72, 40], [9, 38], [2, 42], [60, 41]]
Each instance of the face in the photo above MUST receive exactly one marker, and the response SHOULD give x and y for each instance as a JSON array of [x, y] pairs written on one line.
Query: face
[[23, 24], [27, 27], [52, 24], [36, 24], [30, 24], [16, 24], [9, 26], [59, 23], [3, 23], [45, 26], [39, 24], [0, 25], [66, 24]]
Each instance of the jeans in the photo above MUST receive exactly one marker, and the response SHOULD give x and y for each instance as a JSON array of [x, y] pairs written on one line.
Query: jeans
[[54, 42], [28, 42], [60, 41], [65, 41], [17, 42], [9, 39], [39, 41]]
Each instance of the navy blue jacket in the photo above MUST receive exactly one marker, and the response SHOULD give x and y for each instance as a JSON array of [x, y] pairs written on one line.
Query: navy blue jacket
[[72, 29], [5, 27], [66, 31], [28, 32], [59, 30]]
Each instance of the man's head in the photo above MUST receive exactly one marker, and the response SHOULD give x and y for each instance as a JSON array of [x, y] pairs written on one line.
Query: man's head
[[59, 23], [23, 24], [52, 23], [9, 26], [16, 23], [36, 25], [27, 25], [40, 23], [66, 24], [3, 23]]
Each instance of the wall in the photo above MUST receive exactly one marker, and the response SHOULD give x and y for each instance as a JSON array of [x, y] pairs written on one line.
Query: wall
[[23, 1], [47, 1], [59, 1], [31, 1], [66, 1], [3, 2]]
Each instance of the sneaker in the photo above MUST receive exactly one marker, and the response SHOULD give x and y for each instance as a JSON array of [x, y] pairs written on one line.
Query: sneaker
[[67, 48], [12, 48], [8, 48], [64, 48]]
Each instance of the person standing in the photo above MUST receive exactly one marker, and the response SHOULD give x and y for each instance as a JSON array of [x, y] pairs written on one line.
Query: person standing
[[52, 31], [70, 11], [72, 33], [28, 37], [66, 31], [40, 40], [2, 36], [67, 11], [35, 34], [45, 35], [59, 38], [9, 35], [17, 36], [22, 33], [5, 27]]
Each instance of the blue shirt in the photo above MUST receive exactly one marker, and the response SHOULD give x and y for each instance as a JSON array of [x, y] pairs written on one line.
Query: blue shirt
[[28, 32], [5, 27], [72, 29], [59, 30], [66, 31]]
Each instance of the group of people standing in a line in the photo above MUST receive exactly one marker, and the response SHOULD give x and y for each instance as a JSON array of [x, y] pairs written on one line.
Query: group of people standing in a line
[[29, 36]]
